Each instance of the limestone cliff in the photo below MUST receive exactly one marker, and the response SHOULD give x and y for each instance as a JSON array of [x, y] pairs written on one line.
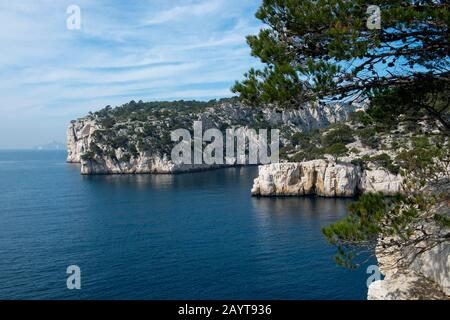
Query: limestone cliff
[[135, 138], [323, 178], [79, 135], [419, 271], [412, 274]]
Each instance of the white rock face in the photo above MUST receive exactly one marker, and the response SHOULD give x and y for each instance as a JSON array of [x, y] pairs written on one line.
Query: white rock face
[[434, 264], [426, 277], [379, 180], [80, 135], [412, 274], [78, 138], [142, 164], [405, 286], [322, 178], [311, 116]]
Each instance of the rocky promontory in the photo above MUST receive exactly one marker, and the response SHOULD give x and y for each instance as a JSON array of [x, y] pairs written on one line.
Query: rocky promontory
[[323, 178], [135, 137]]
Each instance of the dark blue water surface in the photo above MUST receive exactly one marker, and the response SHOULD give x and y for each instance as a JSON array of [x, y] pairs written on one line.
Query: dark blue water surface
[[188, 236]]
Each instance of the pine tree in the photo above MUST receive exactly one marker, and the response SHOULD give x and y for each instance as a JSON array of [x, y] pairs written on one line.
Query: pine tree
[[329, 50]]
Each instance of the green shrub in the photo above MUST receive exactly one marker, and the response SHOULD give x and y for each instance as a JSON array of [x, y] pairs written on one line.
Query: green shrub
[[93, 147], [360, 117], [89, 155], [107, 122], [111, 153], [338, 134], [369, 137], [310, 154], [133, 150], [119, 142], [337, 150], [301, 139], [385, 161], [126, 157]]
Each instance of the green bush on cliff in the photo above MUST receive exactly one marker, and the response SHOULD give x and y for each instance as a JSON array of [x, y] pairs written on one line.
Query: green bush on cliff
[[422, 155], [360, 228], [369, 137], [336, 150], [125, 157], [385, 161], [119, 142], [360, 163], [133, 150], [306, 140], [360, 117], [88, 155], [107, 122], [312, 153], [337, 134], [139, 111], [93, 147]]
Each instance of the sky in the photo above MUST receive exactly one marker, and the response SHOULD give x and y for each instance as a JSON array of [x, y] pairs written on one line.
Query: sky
[[124, 50]]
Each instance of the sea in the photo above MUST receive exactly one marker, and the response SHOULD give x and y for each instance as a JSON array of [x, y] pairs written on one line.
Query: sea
[[186, 236]]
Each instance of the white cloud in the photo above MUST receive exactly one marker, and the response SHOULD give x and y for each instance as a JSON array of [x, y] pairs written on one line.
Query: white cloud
[[148, 49], [190, 11]]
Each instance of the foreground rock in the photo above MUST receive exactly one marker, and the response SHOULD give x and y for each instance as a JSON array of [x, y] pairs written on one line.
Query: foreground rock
[[419, 271], [406, 285], [323, 178], [413, 274]]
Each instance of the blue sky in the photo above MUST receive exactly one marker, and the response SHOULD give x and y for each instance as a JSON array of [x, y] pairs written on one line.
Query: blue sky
[[136, 49]]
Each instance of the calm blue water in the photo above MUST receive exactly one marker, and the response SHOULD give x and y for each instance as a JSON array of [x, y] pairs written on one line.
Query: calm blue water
[[190, 236]]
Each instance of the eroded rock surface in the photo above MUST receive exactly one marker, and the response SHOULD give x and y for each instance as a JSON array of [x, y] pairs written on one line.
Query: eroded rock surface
[[323, 178]]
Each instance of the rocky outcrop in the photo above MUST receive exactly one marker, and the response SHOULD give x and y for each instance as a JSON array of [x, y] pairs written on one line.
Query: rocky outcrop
[[434, 264], [87, 145], [306, 178], [311, 115], [379, 180], [142, 164], [418, 271], [79, 135], [405, 285], [412, 274], [323, 178]]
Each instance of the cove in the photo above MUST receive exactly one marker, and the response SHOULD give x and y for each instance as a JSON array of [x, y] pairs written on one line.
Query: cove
[[190, 236]]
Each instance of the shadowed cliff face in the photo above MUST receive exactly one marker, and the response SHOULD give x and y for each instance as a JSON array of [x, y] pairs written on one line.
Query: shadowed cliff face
[[413, 273], [420, 270]]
